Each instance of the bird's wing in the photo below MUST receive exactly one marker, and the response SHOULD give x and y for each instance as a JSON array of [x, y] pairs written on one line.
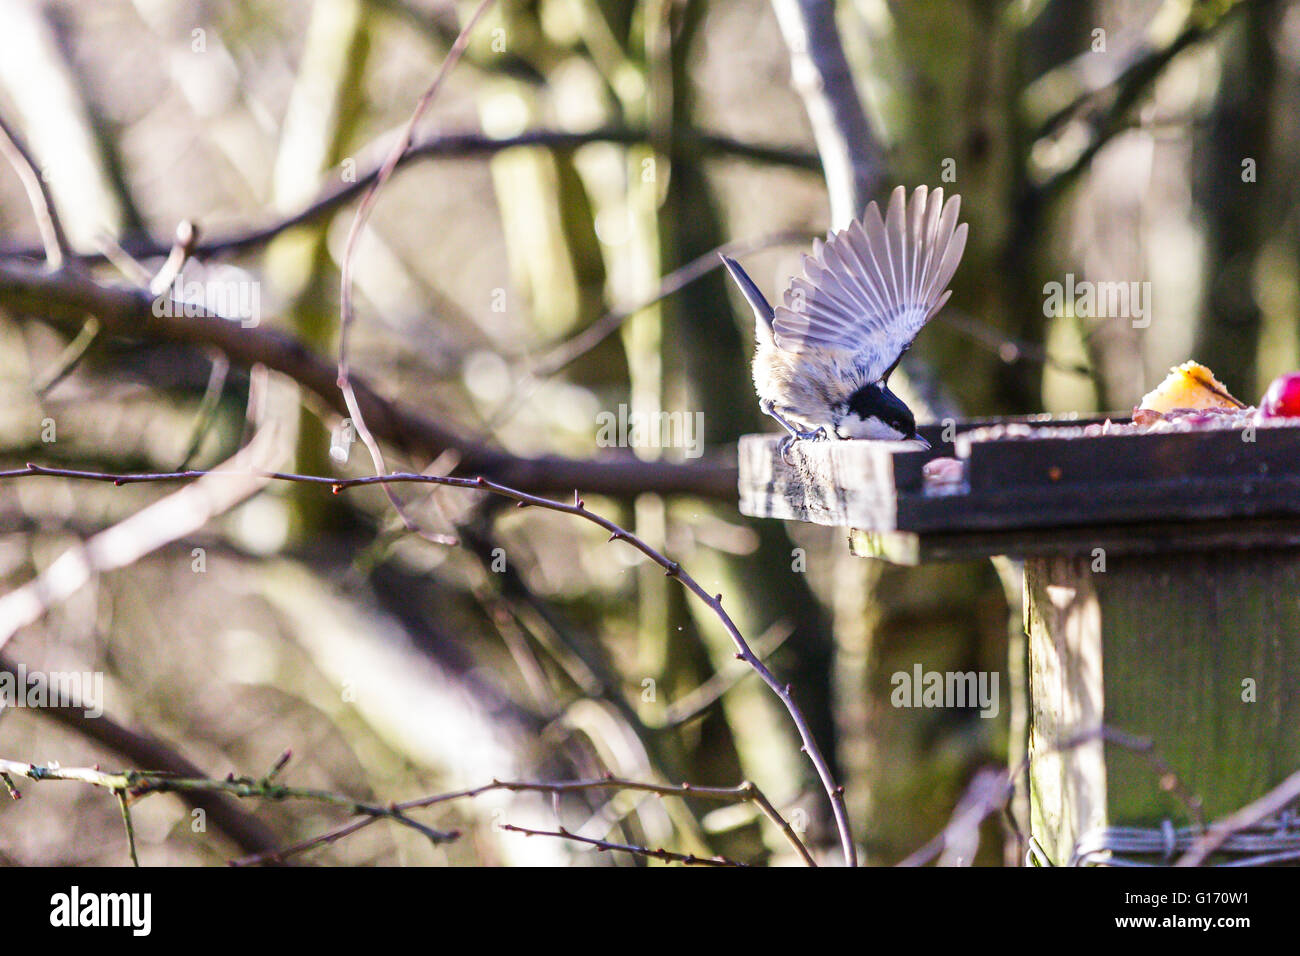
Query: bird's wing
[[869, 288]]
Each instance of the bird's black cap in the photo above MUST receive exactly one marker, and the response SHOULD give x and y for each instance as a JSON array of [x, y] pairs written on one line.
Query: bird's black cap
[[877, 401]]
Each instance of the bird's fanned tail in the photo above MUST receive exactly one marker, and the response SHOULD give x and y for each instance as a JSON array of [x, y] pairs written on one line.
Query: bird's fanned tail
[[763, 312]]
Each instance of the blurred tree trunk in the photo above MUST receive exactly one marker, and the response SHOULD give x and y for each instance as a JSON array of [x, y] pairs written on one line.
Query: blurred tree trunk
[[1233, 170], [323, 109], [760, 588], [950, 112]]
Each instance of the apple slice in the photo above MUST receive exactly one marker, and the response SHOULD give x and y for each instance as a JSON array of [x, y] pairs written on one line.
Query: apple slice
[[1190, 385]]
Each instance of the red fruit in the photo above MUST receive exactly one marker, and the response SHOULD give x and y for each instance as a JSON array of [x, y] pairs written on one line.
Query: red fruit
[[1282, 400]]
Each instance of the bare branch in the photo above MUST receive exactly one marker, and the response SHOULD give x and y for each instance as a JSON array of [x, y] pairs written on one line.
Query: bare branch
[[58, 250], [144, 750], [694, 703], [1105, 109], [563, 353], [604, 845], [131, 785], [347, 315], [744, 792], [130, 827], [335, 194], [1266, 806], [958, 842], [579, 509], [65, 300]]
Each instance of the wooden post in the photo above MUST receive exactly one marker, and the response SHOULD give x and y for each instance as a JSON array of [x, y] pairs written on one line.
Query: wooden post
[[1199, 651], [1162, 600]]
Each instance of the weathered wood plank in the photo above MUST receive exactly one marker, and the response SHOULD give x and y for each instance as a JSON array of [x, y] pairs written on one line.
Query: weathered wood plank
[[837, 483], [1026, 483]]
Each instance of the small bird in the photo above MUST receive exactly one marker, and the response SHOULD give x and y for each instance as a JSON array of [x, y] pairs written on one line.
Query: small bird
[[824, 357]]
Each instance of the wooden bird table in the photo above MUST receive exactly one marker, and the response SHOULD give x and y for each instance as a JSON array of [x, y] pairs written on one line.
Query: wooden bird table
[[1161, 597]]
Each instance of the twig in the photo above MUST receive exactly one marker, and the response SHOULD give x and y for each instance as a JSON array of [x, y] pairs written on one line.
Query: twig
[[283, 854], [130, 827], [69, 358], [1126, 89], [695, 702], [65, 300], [578, 509], [1145, 748], [206, 415], [187, 236], [1266, 806], [957, 842], [563, 353], [133, 785], [140, 749], [1007, 348], [605, 845], [347, 314], [990, 791], [58, 251], [743, 792], [445, 146]]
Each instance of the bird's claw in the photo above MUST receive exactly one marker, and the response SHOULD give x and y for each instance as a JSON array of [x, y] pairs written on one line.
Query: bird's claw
[[788, 442]]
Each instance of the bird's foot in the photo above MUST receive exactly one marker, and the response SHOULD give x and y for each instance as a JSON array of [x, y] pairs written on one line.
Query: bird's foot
[[788, 441]]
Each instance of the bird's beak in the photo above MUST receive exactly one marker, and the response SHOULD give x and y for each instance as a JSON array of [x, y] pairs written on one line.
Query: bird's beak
[[924, 445]]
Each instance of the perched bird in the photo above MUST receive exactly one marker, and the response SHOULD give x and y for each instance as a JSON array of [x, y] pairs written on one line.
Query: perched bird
[[825, 356]]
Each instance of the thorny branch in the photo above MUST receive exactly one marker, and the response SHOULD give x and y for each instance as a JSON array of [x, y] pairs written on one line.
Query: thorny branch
[[142, 749], [130, 786], [604, 845], [744, 792], [577, 508], [133, 785], [956, 844]]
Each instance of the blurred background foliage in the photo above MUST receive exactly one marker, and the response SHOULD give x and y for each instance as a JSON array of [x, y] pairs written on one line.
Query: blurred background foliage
[[1146, 141]]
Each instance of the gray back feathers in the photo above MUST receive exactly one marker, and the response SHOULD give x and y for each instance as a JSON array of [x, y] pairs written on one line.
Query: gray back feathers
[[871, 287]]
